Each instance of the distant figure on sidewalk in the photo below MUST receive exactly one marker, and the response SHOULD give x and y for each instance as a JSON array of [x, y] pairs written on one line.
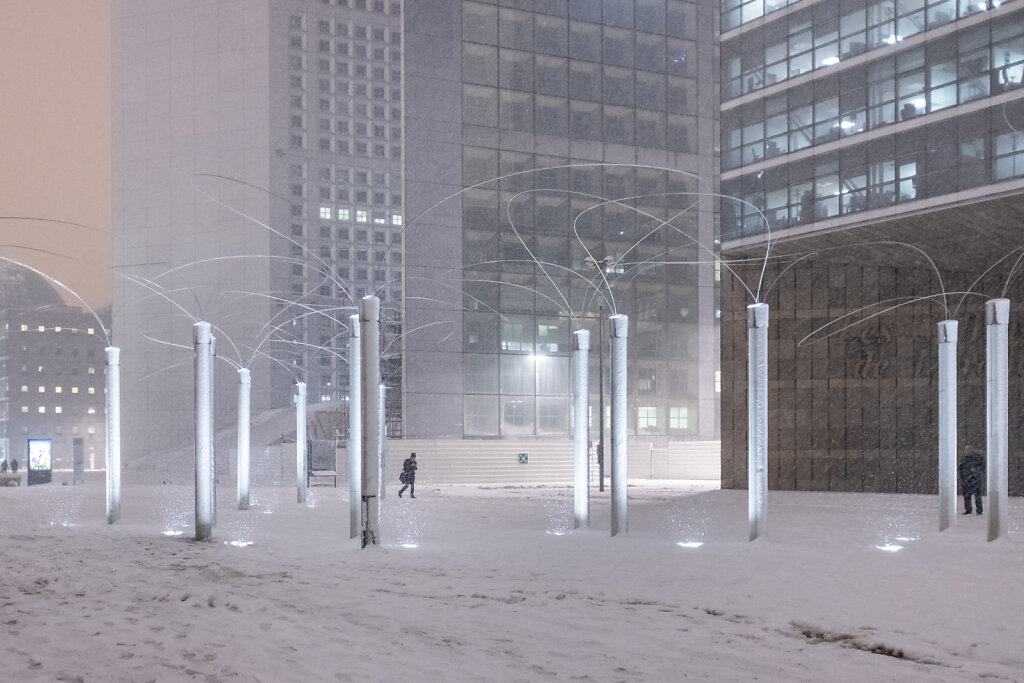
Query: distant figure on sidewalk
[[14, 466], [972, 475], [408, 476], [3, 467]]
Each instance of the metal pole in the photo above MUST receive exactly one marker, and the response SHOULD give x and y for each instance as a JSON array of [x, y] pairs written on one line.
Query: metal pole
[[600, 398], [300, 442], [382, 442], [620, 331], [113, 434], [355, 439], [244, 393], [757, 419], [369, 321], [581, 432], [947, 423], [202, 342], [213, 432], [997, 320]]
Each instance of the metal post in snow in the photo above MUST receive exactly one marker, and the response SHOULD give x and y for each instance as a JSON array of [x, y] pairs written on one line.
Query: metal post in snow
[[213, 432], [947, 423], [300, 442], [581, 430], [203, 343], [369, 321], [113, 434], [997, 321], [619, 334], [757, 419], [382, 442], [355, 439], [244, 393]]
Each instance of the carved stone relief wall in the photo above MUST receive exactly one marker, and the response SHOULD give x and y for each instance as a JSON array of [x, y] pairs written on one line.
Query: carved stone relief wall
[[855, 409]]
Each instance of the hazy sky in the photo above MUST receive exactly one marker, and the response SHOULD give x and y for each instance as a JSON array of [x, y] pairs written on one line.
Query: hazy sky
[[55, 138]]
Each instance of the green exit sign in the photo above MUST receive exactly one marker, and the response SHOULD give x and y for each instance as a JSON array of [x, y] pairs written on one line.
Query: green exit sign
[[523, 458]]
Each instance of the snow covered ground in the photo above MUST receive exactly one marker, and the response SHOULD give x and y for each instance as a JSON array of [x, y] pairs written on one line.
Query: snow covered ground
[[499, 588]]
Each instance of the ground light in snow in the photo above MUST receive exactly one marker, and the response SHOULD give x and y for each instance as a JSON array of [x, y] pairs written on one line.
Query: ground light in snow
[[403, 521], [690, 544], [559, 514], [239, 544], [890, 548]]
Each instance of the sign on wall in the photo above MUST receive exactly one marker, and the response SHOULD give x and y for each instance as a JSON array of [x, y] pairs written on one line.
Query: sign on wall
[[40, 461]]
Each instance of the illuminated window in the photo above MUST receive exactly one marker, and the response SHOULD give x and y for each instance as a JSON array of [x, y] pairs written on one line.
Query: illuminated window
[[361, 216], [58, 328], [24, 327], [91, 330], [325, 212], [42, 409], [396, 219], [42, 390], [39, 369], [718, 381], [343, 215], [74, 390], [24, 389], [678, 417], [92, 430], [58, 410], [92, 411], [92, 390], [42, 328], [92, 371], [646, 417], [58, 390], [24, 409]]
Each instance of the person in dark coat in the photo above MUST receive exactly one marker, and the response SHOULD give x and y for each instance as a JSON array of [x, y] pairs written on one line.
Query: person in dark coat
[[14, 466], [3, 467], [972, 476], [408, 476]]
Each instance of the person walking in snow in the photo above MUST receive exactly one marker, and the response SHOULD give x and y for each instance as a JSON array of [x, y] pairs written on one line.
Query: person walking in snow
[[408, 476], [14, 466], [972, 474], [3, 466]]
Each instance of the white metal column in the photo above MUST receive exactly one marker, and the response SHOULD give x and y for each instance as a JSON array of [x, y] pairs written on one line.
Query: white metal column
[[757, 419], [997, 321], [947, 423], [244, 393], [355, 421], [369, 321], [581, 430], [203, 343], [619, 334], [300, 442], [113, 434]]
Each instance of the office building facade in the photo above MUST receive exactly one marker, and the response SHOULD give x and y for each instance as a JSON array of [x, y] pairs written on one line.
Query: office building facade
[[52, 367], [276, 161], [873, 146], [605, 99]]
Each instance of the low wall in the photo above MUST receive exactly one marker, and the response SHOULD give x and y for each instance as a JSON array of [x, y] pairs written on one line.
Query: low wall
[[459, 461]]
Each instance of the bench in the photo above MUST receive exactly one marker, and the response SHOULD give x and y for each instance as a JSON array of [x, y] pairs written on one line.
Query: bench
[[10, 480], [320, 463]]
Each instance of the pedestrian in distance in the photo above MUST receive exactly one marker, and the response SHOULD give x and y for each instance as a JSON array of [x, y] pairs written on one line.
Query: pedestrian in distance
[[972, 476], [408, 476], [3, 467], [14, 466]]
